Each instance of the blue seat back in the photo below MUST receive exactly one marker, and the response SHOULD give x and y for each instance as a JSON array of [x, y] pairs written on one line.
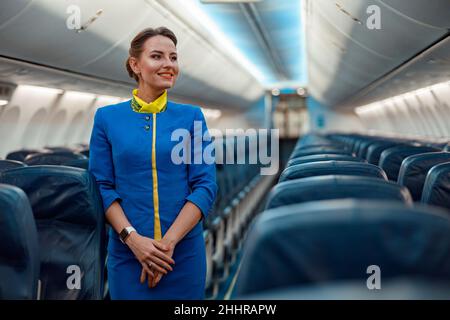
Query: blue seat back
[[329, 241], [318, 150], [392, 158], [52, 158], [375, 150], [20, 155], [78, 163], [335, 187], [414, 170], [19, 252], [322, 157], [436, 189], [323, 168], [71, 226], [10, 164]]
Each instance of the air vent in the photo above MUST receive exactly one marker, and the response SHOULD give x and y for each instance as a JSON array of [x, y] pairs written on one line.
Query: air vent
[[6, 91]]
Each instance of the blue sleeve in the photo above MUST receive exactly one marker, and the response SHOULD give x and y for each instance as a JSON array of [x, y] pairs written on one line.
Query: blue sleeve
[[101, 164], [201, 170]]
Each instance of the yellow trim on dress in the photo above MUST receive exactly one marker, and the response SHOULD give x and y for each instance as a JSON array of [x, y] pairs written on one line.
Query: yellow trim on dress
[[153, 107], [157, 223]]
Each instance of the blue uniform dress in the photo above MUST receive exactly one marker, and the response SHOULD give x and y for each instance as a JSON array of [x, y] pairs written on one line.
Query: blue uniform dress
[[130, 157]]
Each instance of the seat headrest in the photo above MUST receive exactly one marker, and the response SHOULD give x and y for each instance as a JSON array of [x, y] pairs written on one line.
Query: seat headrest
[[324, 241], [52, 158], [58, 192], [78, 163], [318, 150], [391, 158], [19, 252], [322, 157], [313, 140], [414, 170], [335, 187], [332, 167], [10, 164], [20, 155], [375, 149], [436, 189], [399, 288]]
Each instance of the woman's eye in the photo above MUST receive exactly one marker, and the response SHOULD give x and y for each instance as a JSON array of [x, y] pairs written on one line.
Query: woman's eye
[[174, 58], [156, 56]]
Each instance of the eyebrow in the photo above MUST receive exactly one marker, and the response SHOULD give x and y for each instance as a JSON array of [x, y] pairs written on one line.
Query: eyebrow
[[157, 51]]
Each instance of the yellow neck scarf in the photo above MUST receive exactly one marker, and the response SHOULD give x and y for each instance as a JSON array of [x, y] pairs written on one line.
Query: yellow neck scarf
[[155, 106]]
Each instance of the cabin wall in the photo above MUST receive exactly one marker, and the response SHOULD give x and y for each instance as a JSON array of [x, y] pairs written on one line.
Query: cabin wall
[[424, 112], [38, 117], [324, 119]]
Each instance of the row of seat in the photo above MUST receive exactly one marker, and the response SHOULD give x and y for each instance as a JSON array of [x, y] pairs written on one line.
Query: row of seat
[[336, 211], [53, 178]]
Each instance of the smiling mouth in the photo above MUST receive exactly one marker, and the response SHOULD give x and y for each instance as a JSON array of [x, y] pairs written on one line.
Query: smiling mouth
[[166, 75]]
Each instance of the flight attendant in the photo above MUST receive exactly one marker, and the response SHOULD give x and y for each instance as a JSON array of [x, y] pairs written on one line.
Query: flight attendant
[[154, 204]]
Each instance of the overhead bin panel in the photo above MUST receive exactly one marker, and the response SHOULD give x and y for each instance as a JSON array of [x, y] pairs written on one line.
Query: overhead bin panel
[[40, 33], [429, 68], [399, 38], [37, 32], [437, 13], [340, 40]]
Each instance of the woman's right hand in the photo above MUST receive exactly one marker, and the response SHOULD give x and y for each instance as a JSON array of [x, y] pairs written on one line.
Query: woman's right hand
[[150, 253]]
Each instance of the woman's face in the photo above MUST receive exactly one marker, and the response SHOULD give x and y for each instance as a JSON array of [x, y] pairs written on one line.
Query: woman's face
[[158, 64]]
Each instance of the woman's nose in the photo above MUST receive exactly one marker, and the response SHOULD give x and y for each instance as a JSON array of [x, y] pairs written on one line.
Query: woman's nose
[[168, 62]]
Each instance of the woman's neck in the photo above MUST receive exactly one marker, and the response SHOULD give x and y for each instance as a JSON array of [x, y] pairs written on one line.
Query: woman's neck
[[148, 94]]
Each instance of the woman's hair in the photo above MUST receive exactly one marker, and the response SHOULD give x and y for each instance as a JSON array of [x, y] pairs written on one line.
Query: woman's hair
[[137, 45]]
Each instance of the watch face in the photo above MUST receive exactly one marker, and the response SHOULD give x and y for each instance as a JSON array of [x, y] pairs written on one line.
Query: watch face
[[123, 234]]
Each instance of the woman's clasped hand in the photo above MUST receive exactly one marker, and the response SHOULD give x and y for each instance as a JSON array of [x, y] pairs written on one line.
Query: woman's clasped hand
[[154, 256]]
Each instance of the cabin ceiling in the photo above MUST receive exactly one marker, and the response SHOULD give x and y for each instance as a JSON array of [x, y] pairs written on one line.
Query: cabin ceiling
[[261, 46]]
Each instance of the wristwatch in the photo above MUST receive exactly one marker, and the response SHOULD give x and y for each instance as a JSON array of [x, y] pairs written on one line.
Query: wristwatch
[[125, 233]]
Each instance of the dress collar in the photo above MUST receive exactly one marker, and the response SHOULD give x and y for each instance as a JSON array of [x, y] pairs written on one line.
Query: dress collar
[[156, 106]]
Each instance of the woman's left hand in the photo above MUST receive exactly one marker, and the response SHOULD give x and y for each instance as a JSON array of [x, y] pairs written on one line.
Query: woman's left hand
[[153, 281]]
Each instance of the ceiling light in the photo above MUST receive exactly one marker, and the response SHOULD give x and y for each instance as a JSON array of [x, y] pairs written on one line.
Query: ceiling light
[[221, 40], [301, 92], [228, 1], [41, 90], [211, 113], [79, 94], [3, 102]]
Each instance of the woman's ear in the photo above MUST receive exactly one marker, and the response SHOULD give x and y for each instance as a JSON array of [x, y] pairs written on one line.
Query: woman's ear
[[134, 64]]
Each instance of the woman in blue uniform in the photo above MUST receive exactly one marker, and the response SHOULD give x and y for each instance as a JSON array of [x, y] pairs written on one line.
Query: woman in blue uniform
[[154, 204]]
